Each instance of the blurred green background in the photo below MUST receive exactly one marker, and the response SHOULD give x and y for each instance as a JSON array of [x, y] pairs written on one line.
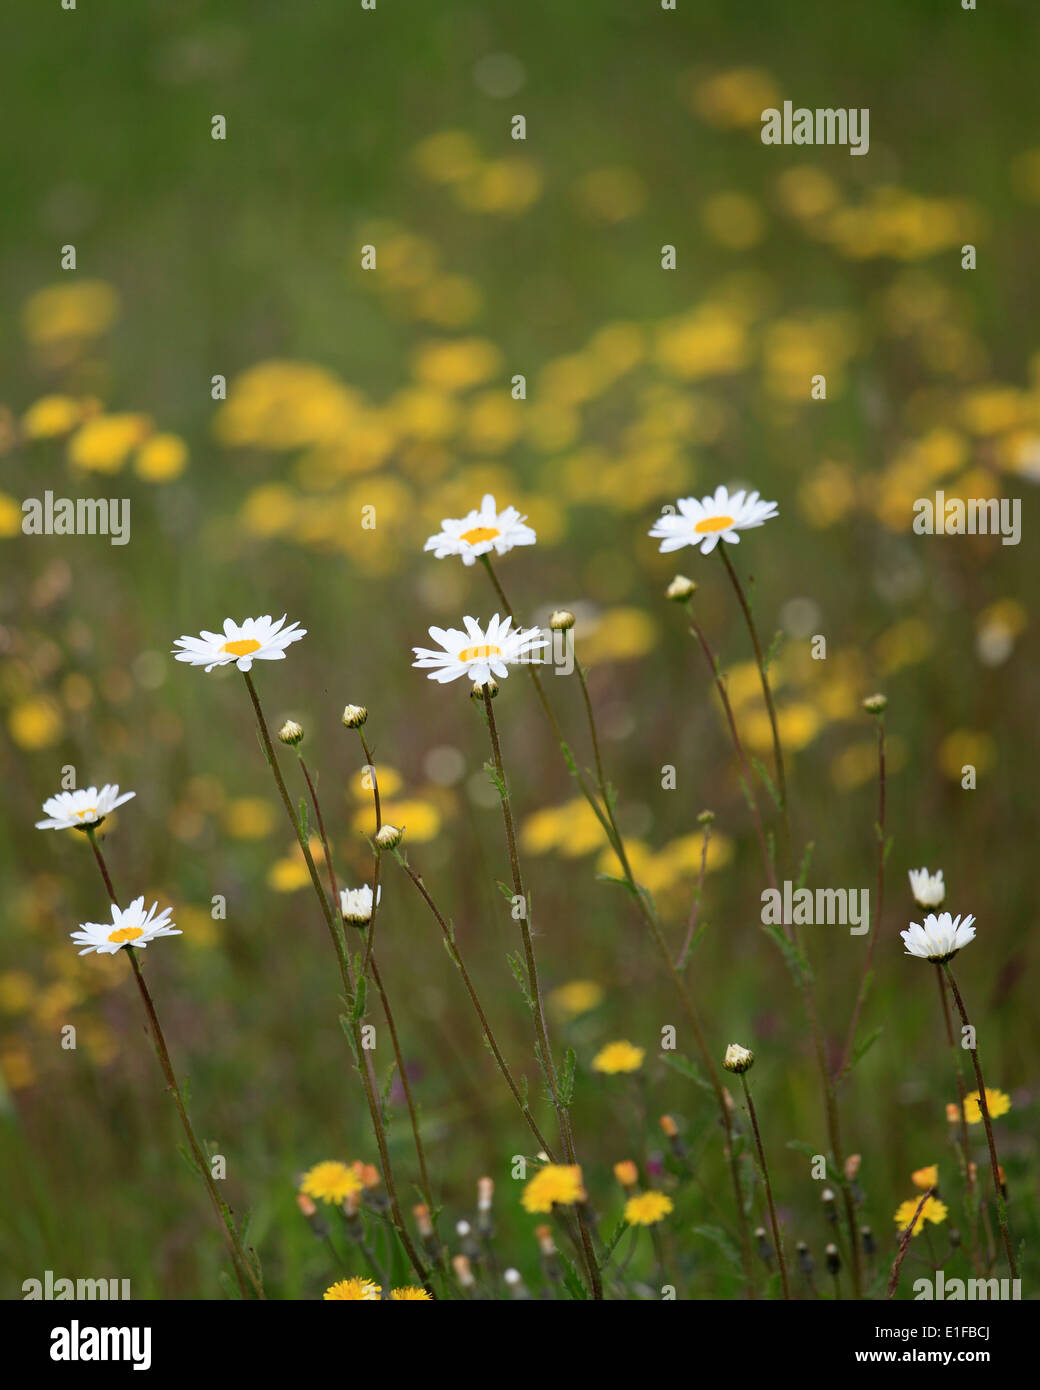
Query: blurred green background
[[390, 388]]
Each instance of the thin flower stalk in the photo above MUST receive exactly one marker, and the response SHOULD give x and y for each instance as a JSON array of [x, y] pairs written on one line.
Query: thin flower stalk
[[348, 985], [764, 1167], [882, 853], [991, 1142], [963, 1153], [241, 1263]]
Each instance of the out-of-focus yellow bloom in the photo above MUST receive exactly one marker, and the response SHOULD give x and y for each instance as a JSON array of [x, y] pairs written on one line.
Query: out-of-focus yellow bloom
[[933, 1210], [424, 413], [198, 925], [17, 1067], [618, 1057], [678, 862], [647, 1208], [291, 873], [626, 1172], [925, 1178], [249, 818], [286, 405], [799, 723], [806, 192], [35, 723], [11, 517], [622, 634], [51, 416], [507, 187], [386, 778], [161, 458], [554, 1185], [103, 442], [997, 1103], [907, 642], [796, 350], [330, 1182], [447, 156], [965, 747], [733, 220], [457, 363], [269, 510], [85, 309], [493, 423], [449, 301], [857, 765], [576, 997], [17, 991], [573, 829], [734, 98], [993, 409], [611, 195], [828, 494], [421, 820], [709, 341]]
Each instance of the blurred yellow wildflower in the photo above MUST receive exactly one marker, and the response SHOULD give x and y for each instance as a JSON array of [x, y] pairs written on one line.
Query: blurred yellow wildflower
[[249, 818], [410, 1293], [356, 1290], [647, 1208], [997, 1103], [618, 1057], [85, 309], [161, 458], [554, 1185], [102, 443], [926, 1177], [51, 416], [35, 723], [576, 997], [330, 1181]]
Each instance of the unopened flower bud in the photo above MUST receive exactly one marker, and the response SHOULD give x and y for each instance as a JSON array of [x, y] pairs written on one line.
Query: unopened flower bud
[[562, 620], [852, 1165], [706, 818], [291, 733], [477, 693], [833, 1259], [806, 1263], [830, 1210], [389, 837], [738, 1059], [626, 1173], [515, 1283], [869, 1243], [875, 704], [765, 1250], [680, 589], [463, 1272], [354, 716]]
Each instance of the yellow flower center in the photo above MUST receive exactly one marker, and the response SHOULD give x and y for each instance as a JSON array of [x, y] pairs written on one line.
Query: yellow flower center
[[479, 653], [87, 811], [714, 523], [480, 533], [125, 934], [242, 647]]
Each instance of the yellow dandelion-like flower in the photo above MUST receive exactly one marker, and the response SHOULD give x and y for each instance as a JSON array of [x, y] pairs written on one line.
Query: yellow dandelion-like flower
[[554, 1185], [925, 1178], [576, 997], [353, 1290], [647, 1208], [933, 1210], [410, 1294], [618, 1057], [330, 1182], [997, 1103]]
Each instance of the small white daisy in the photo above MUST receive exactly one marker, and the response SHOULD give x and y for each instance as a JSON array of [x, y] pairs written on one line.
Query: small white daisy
[[707, 521], [477, 653], [929, 890], [257, 639], [940, 938], [130, 926], [356, 904], [480, 532], [81, 809]]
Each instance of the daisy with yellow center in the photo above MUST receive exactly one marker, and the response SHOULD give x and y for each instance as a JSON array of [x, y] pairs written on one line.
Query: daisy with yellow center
[[555, 1185], [353, 1291], [130, 926], [481, 532], [647, 1208], [933, 1210], [704, 522], [256, 639], [411, 1293], [479, 653], [331, 1182], [82, 809], [997, 1103], [618, 1057]]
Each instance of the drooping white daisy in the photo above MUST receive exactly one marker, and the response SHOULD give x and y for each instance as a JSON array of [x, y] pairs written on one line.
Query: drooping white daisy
[[940, 938], [477, 653], [706, 521], [929, 890], [480, 532], [130, 926], [80, 810], [257, 639], [356, 904]]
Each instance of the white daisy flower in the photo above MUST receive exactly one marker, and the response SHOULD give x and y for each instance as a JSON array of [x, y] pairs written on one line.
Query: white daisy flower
[[81, 809], [940, 938], [929, 890], [356, 904], [479, 654], [257, 639], [707, 521], [130, 926], [480, 532]]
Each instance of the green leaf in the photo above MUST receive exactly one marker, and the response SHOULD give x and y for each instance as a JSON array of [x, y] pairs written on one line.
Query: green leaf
[[863, 1049], [567, 1071], [770, 787], [803, 868], [796, 961], [348, 1029], [774, 649], [686, 1068], [571, 1279]]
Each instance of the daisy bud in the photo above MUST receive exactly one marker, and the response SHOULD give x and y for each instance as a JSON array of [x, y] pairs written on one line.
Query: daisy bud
[[869, 1243], [830, 1211], [833, 1259], [706, 818], [354, 716], [953, 1114], [852, 1165], [561, 620], [626, 1173], [929, 890], [738, 1059], [291, 733], [806, 1263], [463, 1272], [875, 704], [680, 589], [668, 1127], [765, 1250], [954, 1238], [515, 1283], [477, 693], [389, 837]]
